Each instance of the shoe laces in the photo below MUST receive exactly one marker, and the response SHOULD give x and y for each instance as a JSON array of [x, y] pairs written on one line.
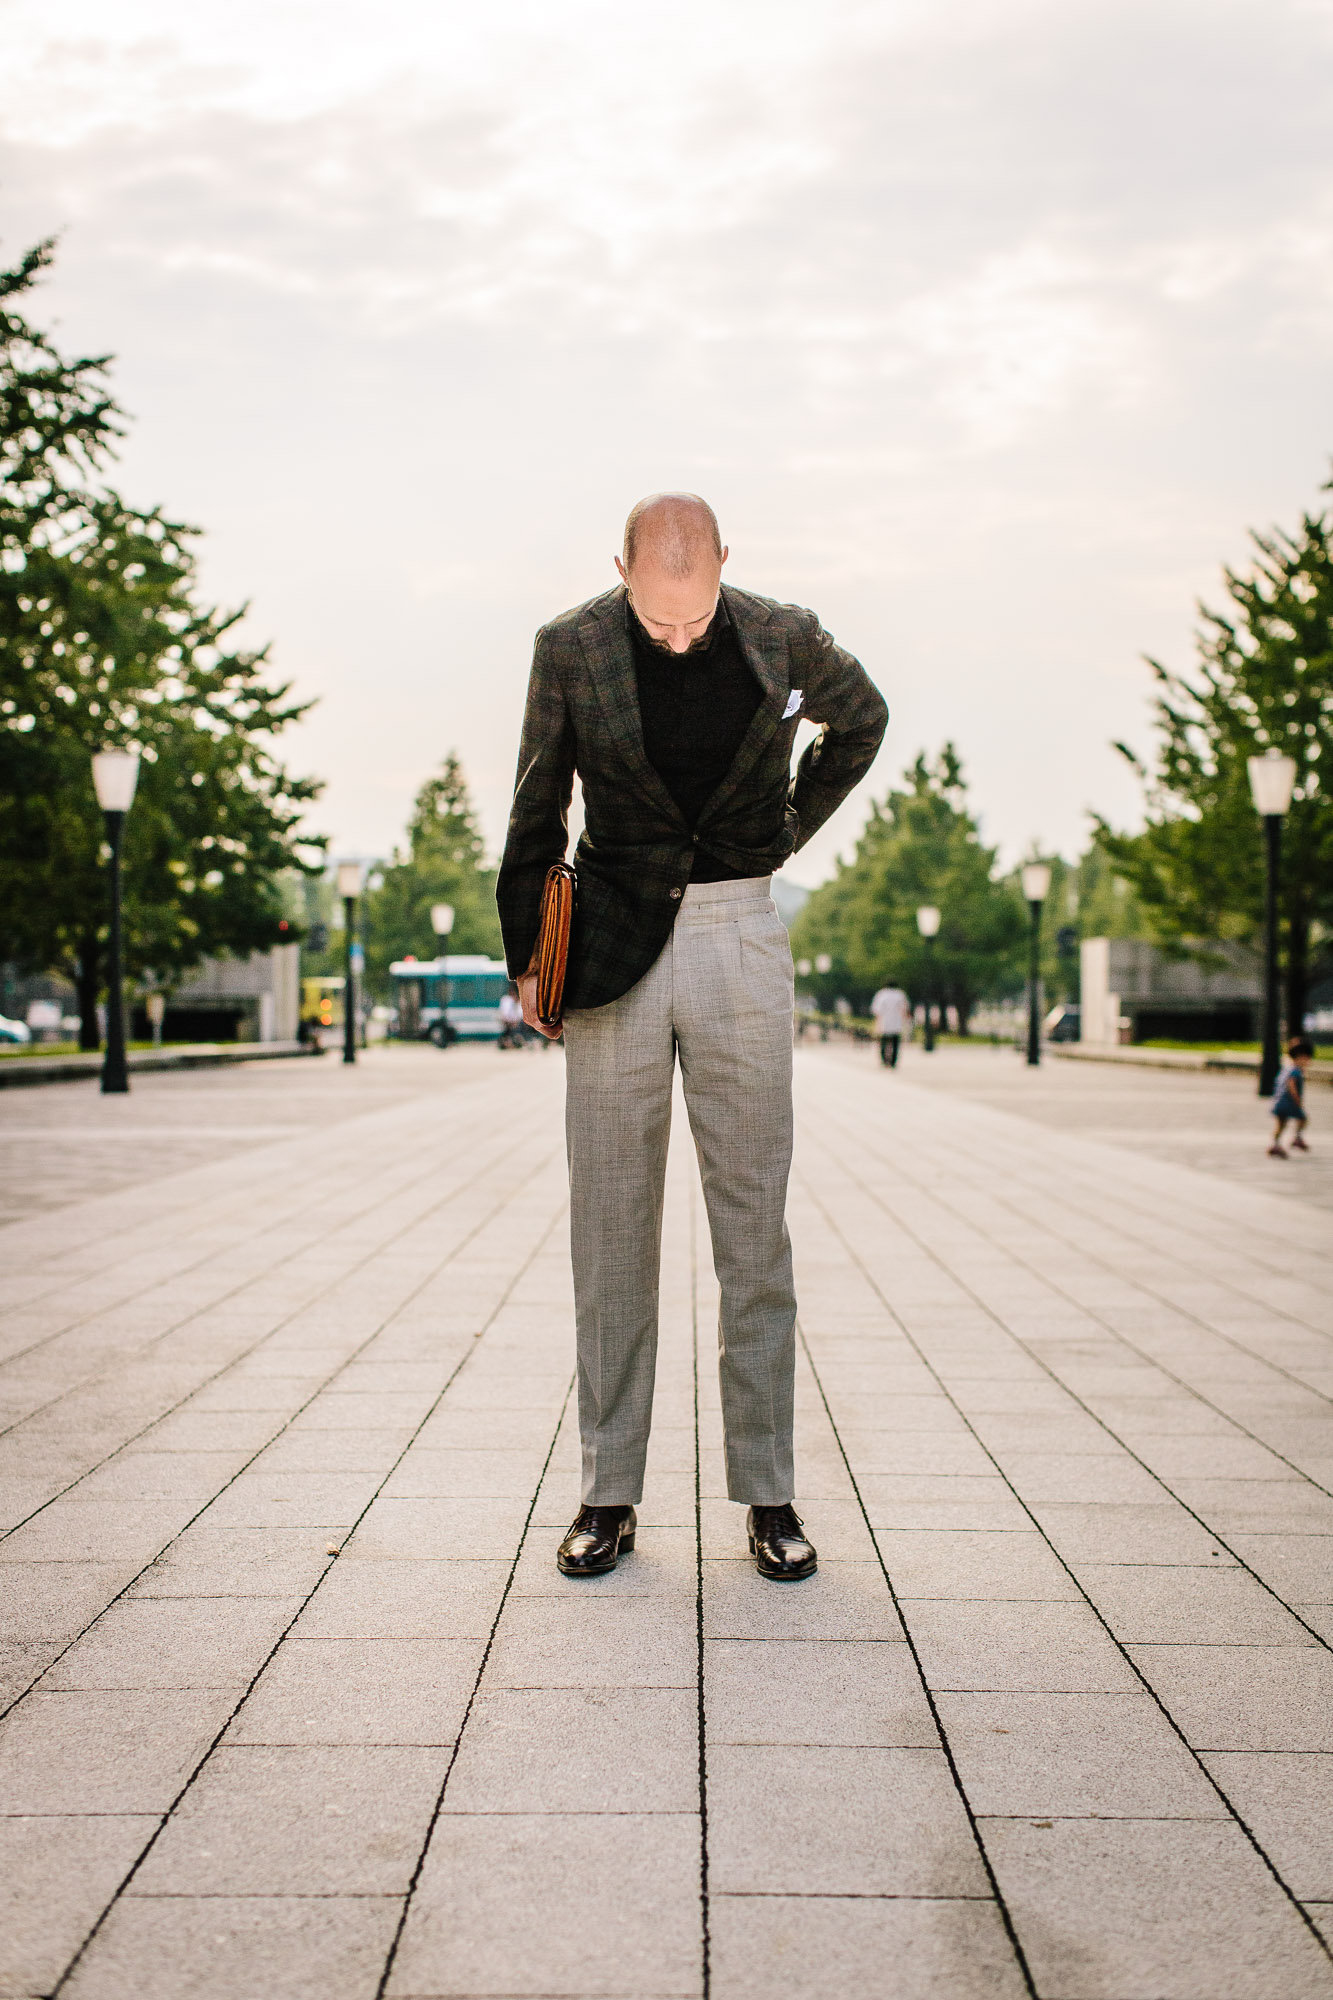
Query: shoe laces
[[782, 1520]]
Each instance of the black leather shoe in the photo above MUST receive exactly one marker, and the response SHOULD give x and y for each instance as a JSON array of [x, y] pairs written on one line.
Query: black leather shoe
[[779, 1548], [597, 1540]]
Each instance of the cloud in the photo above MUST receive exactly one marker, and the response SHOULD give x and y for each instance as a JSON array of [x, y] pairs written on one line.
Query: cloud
[[989, 327]]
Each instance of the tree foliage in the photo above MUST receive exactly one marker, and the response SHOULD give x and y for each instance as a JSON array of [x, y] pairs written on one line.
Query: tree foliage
[[103, 642], [1105, 902], [444, 862], [922, 845], [1087, 899], [1264, 679]]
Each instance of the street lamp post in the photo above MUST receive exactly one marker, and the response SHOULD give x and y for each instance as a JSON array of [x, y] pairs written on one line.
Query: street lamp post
[[115, 775], [350, 877], [442, 922], [823, 966], [1272, 777], [928, 923], [1036, 888]]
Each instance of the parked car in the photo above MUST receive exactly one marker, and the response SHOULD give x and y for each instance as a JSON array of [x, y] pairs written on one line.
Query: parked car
[[14, 1031], [1062, 1023]]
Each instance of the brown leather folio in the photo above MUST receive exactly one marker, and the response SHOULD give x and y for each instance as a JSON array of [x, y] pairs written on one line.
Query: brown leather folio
[[552, 953]]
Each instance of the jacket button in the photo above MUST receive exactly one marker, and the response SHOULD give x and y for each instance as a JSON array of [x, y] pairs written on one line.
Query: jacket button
[[675, 894]]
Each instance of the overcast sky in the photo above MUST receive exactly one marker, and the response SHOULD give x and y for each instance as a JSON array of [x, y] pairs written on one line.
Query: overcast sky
[[988, 327]]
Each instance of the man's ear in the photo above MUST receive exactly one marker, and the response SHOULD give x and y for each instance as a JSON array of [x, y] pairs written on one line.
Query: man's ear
[[621, 567], [723, 557]]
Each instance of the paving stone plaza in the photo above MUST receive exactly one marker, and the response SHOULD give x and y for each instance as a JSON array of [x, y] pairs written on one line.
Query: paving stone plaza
[[1055, 1717]]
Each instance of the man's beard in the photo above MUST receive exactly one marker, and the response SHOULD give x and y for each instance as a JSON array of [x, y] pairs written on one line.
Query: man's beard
[[699, 645]]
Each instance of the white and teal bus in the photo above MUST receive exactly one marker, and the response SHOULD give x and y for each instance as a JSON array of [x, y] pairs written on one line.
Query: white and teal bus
[[453, 999]]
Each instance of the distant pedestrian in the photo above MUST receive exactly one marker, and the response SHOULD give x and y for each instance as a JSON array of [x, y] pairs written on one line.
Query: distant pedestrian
[[1289, 1098], [892, 1014], [511, 1020]]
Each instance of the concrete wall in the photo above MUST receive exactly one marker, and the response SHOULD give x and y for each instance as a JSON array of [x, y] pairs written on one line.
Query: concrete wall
[[265, 987], [1099, 1007], [1141, 972], [1164, 996]]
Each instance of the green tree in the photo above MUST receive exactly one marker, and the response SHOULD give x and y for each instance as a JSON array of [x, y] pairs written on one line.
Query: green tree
[[444, 862], [1087, 899], [103, 642], [58, 423], [1106, 905], [922, 845], [1264, 679]]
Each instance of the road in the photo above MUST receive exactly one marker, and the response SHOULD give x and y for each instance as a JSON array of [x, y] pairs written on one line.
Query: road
[[297, 1704]]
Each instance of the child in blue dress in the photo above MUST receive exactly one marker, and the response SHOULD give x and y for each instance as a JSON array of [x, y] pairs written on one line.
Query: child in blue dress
[[1289, 1098]]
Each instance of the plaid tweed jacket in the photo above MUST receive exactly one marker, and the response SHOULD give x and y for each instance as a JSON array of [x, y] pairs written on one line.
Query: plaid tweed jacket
[[635, 856]]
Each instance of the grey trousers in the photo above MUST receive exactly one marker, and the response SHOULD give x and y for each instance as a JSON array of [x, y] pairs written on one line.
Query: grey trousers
[[720, 997]]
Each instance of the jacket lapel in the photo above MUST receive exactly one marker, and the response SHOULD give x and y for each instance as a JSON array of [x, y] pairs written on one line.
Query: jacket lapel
[[765, 654]]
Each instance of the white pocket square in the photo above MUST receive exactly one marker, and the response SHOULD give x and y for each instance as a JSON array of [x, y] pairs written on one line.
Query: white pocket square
[[794, 700]]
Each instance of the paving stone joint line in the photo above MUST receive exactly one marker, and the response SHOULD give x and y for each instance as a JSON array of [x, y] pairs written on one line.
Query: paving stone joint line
[[1266, 1303], [165, 1819], [997, 1895], [411, 1175], [438, 1808], [1130, 1662], [705, 1926], [504, 1202], [1094, 1417], [1021, 1167]]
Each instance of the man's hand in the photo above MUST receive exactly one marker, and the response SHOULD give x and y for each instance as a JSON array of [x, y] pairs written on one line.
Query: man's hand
[[527, 993]]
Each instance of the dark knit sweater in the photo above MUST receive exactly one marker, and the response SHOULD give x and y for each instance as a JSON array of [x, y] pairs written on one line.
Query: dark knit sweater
[[695, 708]]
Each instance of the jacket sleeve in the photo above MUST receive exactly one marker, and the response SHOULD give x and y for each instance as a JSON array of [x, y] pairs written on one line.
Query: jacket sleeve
[[840, 695], [539, 817]]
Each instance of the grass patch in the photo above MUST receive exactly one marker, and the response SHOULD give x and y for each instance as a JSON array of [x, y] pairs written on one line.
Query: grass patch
[[1223, 1048], [11, 1051], [1201, 1048]]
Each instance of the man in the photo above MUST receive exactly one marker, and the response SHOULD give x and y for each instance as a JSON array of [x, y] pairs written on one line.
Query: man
[[676, 702], [891, 1011], [511, 1020]]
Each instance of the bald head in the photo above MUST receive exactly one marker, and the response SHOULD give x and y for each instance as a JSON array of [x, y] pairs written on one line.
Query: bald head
[[673, 532], [672, 567]]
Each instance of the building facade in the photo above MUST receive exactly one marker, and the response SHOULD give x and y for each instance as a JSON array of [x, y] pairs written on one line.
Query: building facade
[[1134, 991]]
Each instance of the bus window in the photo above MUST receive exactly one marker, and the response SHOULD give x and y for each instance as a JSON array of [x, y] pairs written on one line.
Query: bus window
[[476, 989]]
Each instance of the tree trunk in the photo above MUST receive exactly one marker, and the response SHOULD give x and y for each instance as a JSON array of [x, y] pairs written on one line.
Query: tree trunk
[[87, 983], [960, 999], [1298, 971]]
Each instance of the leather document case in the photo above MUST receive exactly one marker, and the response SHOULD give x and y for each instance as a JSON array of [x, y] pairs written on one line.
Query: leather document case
[[552, 954]]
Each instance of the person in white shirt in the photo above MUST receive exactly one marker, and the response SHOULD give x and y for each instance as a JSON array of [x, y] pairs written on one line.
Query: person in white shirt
[[511, 1020], [892, 1013]]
